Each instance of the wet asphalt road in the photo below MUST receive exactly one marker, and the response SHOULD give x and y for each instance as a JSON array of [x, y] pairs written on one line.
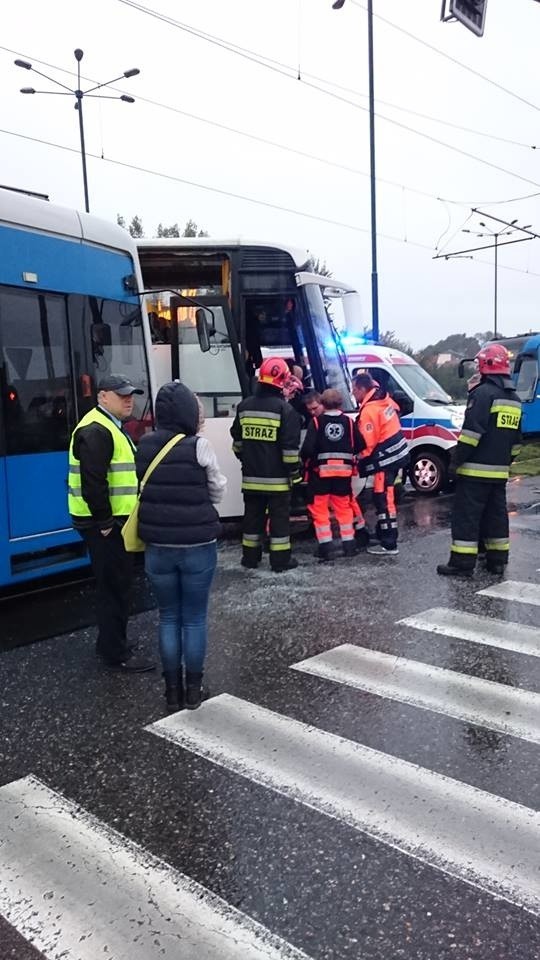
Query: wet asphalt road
[[320, 885]]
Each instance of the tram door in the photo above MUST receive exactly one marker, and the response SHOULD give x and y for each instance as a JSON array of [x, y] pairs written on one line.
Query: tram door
[[38, 412]]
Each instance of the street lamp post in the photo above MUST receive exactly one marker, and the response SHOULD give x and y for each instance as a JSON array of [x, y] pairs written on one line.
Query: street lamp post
[[79, 95], [373, 178]]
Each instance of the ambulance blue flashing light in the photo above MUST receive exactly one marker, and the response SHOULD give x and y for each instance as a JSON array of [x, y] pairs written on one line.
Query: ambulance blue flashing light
[[348, 340]]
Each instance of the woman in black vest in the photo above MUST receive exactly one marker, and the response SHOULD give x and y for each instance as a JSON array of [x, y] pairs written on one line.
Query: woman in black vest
[[179, 524]]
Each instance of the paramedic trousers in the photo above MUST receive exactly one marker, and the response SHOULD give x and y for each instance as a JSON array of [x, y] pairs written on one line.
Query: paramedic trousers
[[258, 507], [385, 506], [358, 516], [479, 513], [319, 510]]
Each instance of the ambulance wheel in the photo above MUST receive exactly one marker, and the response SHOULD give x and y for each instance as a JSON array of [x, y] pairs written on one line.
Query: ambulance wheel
[[428, 472]]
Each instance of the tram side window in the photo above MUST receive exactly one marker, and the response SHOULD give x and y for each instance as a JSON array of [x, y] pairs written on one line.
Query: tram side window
[[36, 382], [108, 338], [527, 379]]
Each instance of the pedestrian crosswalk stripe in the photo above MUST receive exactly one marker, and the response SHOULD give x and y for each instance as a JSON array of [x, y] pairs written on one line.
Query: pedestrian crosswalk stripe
[[513, 590], [470, 626], [481, 838], [78, 890], [500, 707]]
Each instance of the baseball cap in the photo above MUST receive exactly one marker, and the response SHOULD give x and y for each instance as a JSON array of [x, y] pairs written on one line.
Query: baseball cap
[[118, 384]]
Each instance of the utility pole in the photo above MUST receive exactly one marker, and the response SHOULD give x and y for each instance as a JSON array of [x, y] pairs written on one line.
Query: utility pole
[[508, 228], [79, 96], [373, 177]]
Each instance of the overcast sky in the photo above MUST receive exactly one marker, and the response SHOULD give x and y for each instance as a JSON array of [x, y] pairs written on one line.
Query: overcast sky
[[421, 299]]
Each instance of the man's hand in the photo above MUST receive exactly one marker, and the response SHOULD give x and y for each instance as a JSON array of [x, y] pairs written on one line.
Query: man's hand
[[105, 533]]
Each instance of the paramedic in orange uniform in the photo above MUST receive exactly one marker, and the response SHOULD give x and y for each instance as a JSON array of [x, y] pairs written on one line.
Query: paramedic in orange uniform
[[329, 449], [385, 452]]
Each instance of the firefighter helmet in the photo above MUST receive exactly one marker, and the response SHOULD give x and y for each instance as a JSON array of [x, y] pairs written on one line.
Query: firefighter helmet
[[275, 372], [494, 358]]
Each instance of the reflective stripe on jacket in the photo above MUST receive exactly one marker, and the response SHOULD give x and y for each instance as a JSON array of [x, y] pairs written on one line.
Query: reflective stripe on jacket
[[329, 445], [266, 439], [491, 432], [121, 474], [378, 424]]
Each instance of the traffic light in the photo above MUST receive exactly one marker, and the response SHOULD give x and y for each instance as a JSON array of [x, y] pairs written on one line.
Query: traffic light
[[472, 13]]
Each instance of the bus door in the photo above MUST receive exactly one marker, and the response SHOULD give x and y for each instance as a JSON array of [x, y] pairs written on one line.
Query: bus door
[[38, 415], [204, 355]]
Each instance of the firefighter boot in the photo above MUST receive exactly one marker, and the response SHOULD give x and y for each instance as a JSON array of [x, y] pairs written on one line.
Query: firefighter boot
[[251, 558], [291, 564], [349, 548], [450, 570]]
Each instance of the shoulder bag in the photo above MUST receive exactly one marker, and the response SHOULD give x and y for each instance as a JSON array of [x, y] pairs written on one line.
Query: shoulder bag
[[130, 530]]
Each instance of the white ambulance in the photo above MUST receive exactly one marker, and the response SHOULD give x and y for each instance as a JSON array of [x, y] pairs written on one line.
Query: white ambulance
[[434, 421]]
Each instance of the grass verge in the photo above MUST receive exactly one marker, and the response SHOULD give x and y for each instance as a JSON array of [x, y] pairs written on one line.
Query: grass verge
[[527, 463]]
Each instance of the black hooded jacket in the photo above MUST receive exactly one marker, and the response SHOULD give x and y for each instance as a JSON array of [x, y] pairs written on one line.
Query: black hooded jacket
[[175, 507], [491, 431]]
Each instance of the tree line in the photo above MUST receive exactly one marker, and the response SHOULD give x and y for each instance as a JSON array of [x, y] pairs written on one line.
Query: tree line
[[458, 346], [136, 229]]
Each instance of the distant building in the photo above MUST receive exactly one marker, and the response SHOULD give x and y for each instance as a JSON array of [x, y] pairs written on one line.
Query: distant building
[[449, 357]]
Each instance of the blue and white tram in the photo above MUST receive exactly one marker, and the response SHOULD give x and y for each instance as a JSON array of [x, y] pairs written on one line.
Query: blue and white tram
[[69, 314]]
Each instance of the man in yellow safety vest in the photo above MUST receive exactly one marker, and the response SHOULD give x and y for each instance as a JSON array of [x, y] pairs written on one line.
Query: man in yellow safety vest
[[102, 491]]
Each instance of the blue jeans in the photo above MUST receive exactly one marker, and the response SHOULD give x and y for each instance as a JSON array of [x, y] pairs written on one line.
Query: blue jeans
[[181, 578]]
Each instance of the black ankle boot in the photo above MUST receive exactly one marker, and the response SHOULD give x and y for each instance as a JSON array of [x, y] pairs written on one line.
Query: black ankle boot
[[194, 691], [361, 538], [448, 570], [349, 548], [173, 694], [326, 552]]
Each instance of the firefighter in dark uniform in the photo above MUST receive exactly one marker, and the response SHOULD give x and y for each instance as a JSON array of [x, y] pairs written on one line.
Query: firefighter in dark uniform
[[488, 443], [266, 440]]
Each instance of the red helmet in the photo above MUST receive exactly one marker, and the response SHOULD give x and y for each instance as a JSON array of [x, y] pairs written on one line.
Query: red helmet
[[275, 372], [494, 358]]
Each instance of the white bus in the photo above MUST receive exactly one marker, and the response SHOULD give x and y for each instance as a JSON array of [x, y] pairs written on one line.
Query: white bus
[[216, 307]]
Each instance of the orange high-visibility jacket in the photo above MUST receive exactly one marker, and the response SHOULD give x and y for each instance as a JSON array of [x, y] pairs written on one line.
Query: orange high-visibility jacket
[[380, 429]]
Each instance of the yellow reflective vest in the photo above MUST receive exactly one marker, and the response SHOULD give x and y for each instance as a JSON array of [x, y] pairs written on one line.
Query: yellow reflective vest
[[121, 475]]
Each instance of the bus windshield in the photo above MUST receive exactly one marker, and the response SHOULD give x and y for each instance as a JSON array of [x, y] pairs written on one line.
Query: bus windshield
[[422, 384], [326, 344]]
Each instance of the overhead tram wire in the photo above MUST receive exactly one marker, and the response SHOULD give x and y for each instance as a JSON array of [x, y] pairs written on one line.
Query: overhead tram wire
[[232, 48], [447, 56], [239, 196], [279, 66], [310, 156]]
